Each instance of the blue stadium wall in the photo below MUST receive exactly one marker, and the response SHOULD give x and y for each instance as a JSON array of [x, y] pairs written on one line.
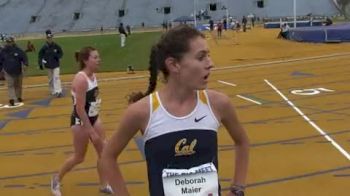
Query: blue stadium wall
[[279, 8], [15, 15]]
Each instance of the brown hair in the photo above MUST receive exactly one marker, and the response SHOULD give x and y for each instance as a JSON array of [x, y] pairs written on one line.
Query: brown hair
[[83, 55], [175, 43]]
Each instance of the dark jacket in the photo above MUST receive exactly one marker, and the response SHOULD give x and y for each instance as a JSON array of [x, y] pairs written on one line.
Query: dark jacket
[[122, 30], [51, 53], [12, 58], [244, 20]]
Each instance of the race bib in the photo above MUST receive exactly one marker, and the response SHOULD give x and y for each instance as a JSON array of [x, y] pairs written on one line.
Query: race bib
[[94, 108], [200, 181]]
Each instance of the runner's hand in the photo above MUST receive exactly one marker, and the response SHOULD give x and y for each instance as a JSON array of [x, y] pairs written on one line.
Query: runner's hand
[[93, 135], [24, 68], [96, 140]]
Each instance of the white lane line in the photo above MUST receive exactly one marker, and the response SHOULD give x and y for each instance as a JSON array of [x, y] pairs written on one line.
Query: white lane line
[[283, 61], [214, 69], [227, 83], [240, 96], [248, 99], [324, 134], [69, 83]]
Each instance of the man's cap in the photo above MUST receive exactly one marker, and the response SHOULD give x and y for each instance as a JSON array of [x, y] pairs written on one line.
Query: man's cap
[[48, 33]]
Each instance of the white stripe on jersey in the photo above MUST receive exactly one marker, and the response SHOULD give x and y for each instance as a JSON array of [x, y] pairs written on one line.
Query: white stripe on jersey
[[162, 122], [91, 84]]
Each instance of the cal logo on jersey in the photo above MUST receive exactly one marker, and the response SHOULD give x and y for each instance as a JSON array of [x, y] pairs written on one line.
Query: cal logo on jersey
[[183, 148]]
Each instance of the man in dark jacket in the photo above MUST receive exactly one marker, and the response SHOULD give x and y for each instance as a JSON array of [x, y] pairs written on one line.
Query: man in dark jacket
[[49, 57], [13, 61], [122, 34], [244, 23]]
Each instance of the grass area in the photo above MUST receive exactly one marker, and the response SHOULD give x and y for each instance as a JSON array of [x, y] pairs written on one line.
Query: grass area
[[114, 58]]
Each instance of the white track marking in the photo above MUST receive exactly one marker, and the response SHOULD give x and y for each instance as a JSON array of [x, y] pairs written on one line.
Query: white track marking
[[313, 124], [310, 91], [15, 106], [248, 99], [214, 69], [283, 61], [69, 83], [227, 83]]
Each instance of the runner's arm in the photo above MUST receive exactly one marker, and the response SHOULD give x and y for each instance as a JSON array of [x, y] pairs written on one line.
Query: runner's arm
[[228, 117], [133, 120]]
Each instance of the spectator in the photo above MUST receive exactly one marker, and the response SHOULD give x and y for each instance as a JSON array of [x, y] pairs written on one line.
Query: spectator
[[253, 20], [219, 29], [238, 26], [165, 26], [128, 29], [49, 57], [170, 25], [130, 69], [211, 25], [225, 24], [13, 61], [2, 37], [244, 23], [122, 35], [284, 31], [30, 47], [328, 21]]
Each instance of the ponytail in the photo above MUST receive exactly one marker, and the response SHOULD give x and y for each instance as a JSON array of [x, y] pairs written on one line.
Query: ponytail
[[152, 84], [153, 70]]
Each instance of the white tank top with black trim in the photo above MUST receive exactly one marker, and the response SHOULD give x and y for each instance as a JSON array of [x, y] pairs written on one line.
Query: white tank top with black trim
[[179, 142], [92, 99]]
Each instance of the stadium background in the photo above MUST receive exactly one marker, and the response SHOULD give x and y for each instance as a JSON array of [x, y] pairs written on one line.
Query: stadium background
[[288, 155], [24, 16]]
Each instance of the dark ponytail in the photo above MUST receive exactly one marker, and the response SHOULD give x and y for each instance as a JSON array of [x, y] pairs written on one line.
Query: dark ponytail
[[152, 84], [153, 70]]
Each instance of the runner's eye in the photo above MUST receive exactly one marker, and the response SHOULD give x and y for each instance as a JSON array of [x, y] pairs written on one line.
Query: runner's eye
[[203, 56]]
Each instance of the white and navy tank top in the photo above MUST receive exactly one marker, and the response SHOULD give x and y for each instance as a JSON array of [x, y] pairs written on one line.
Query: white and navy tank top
[[179, 142], [93, 102]]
